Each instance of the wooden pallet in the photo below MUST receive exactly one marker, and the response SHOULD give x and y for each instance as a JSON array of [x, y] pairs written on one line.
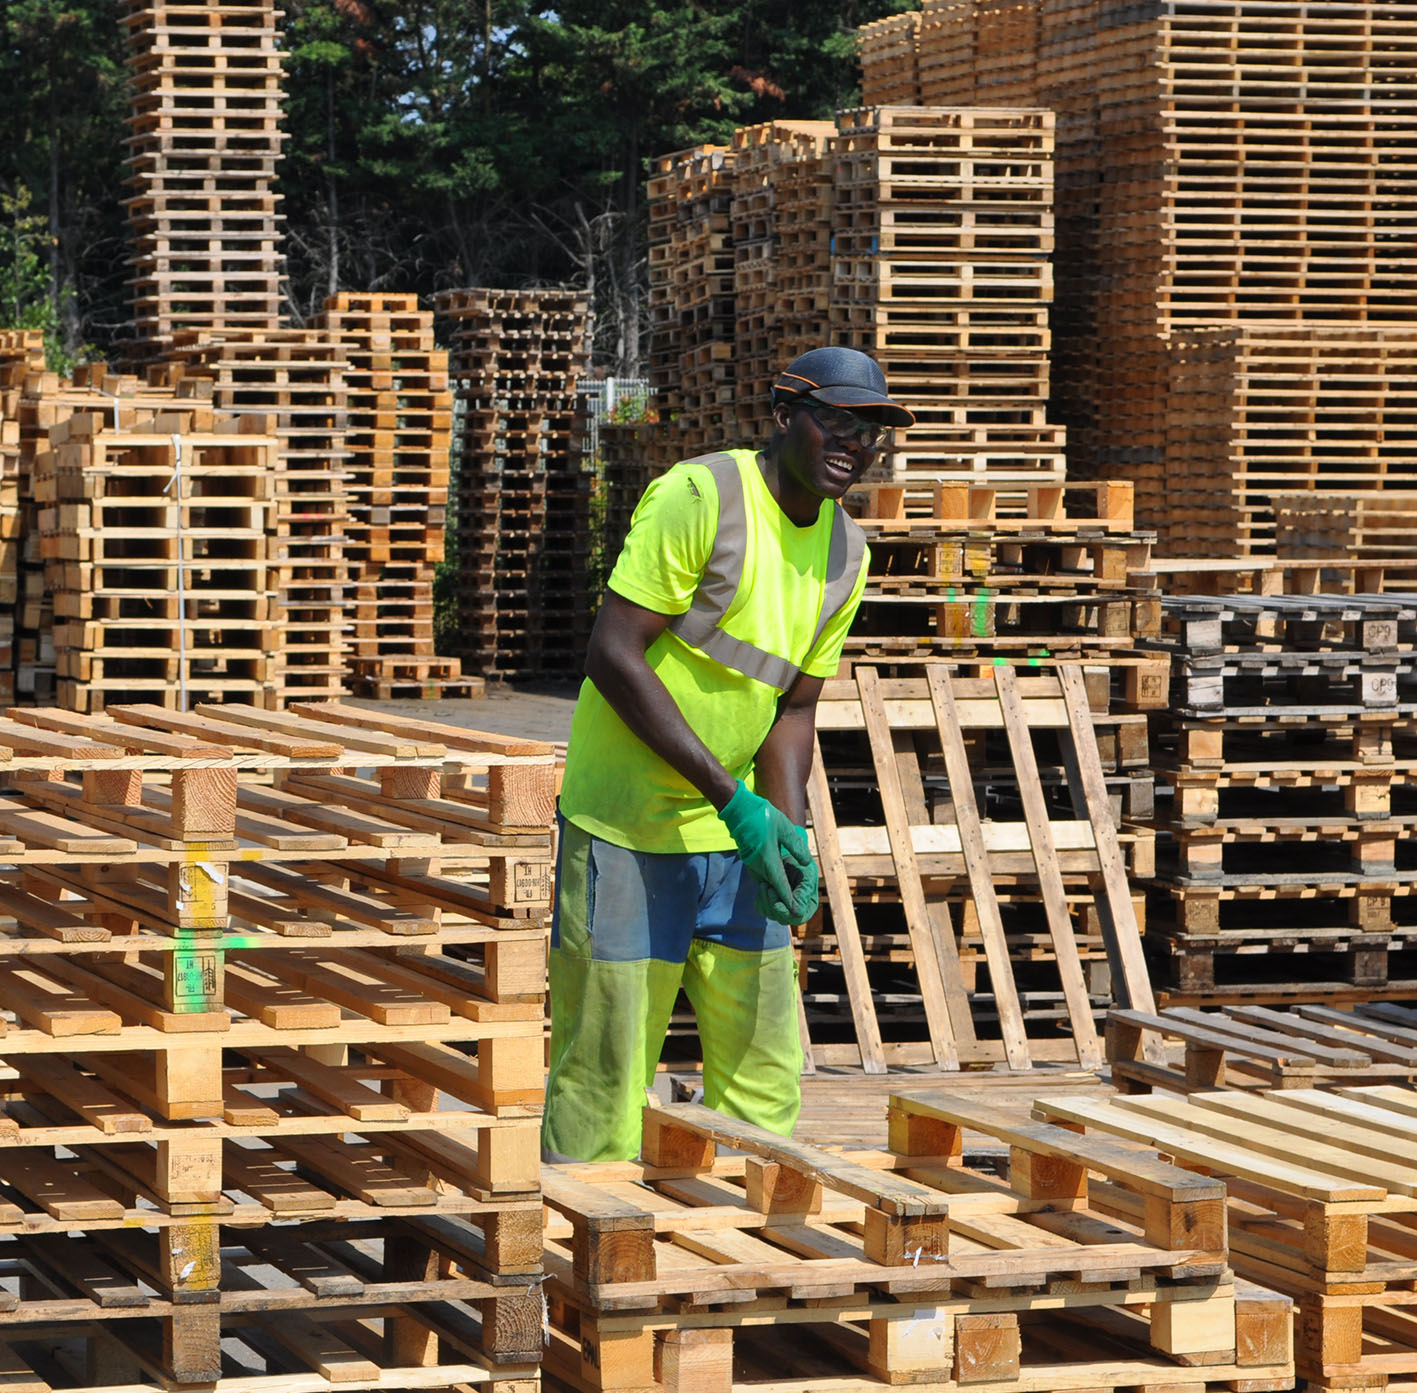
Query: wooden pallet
[[1320, 1190], [523, 497], [899, 1266], [207, 101], [300, 375], [165, 521], [1021, 843], [260, 967], [1257, 1046], [397, 435]]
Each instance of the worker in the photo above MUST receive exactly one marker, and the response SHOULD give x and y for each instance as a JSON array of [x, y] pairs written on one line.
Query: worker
[[683, 857]]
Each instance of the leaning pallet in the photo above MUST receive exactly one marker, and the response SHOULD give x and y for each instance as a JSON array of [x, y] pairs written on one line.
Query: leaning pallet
[[1321, 1194], [264, 968], [781, 1266], [934, 833], [1258, 1046], [1284, 734]]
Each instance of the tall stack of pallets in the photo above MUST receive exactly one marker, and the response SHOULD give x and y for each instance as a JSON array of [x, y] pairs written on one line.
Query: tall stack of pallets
[[206, 136], [782, 195], [21, 354], [298, 376], [890, 71], [1217, 163], [1283, 767], [523, 496], [942, 242], [46, 403], [277, 1037], [154, 538], [397, 437], [693, 312], [1254, 411]]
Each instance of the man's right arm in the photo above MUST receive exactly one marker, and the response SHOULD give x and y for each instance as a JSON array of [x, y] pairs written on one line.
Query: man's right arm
[[615, 662]]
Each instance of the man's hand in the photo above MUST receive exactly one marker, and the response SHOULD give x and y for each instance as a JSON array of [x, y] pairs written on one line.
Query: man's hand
[[774, 850], [801, 905]]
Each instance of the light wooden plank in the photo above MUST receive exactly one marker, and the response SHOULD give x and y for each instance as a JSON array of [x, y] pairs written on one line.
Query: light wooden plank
[[931, 972], [848, 932]]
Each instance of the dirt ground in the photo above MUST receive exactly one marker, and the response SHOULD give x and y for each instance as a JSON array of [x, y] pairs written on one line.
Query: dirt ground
[[533, 712]]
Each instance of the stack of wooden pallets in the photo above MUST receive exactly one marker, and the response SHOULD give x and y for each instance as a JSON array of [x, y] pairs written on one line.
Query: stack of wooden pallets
[[692, 306], [397, 437], [779, 1264], [523, 496], [274, 1040], [1039, 576], [21, 354], [1254, 411], [154, 540], [298, 376], [1285, 755], [942, 241], [206, 136], [47, 403], [1320, 1196], [1217, 162], [782, 195], [1367, 529], [890, 72]]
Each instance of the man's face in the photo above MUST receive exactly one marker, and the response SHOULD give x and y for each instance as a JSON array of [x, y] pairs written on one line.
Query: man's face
[[824, 462]]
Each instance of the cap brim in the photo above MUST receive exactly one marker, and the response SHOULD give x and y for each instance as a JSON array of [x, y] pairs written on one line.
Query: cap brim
[[865, 403]]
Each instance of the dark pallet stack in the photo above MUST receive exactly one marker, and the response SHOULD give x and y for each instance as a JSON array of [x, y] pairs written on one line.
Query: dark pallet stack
[[397, 436], [782, 197], [205, 138], [298, 376], [1284, 765], [692, 305], [523, 495], [1217, 163], [21, 354]]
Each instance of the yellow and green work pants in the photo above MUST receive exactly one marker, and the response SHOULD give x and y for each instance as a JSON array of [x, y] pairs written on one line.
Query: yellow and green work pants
[[631, 927]]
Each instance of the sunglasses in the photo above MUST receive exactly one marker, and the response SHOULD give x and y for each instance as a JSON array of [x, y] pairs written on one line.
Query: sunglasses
[[843, 424]]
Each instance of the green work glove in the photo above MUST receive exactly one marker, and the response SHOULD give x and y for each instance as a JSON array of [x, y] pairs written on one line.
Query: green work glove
[[773, 848], [801, 905]]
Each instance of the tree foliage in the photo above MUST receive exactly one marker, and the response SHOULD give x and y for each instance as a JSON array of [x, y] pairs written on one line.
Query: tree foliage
[[432, 143]]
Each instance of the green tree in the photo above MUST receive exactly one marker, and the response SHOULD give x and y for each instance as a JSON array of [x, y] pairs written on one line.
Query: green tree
[[64, 102]]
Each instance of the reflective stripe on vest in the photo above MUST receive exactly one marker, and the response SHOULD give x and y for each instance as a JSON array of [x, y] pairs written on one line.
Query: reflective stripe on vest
[[701, 624]]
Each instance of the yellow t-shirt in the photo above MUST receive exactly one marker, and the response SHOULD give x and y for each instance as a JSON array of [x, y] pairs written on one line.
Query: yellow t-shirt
[[615, 786]]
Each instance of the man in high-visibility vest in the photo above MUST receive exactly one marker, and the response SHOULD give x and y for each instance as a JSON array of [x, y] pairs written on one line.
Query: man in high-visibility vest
[[683, 855]]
